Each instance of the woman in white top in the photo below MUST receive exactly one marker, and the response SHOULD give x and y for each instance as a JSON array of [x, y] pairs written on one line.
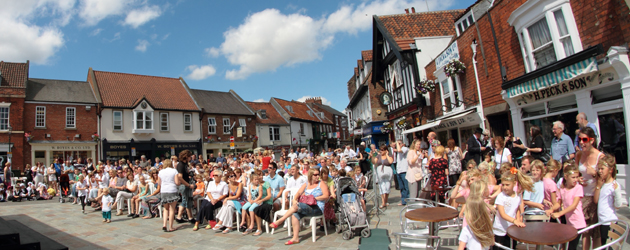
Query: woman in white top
[[587, 160], [414, 172], [168, 181], [501, 154], [216, 191]]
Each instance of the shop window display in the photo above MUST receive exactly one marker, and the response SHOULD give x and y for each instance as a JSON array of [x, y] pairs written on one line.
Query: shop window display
[[613, 134], [546, 123]]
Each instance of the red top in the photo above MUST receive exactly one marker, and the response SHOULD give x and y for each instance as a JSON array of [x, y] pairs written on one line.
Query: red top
[[265, 162]]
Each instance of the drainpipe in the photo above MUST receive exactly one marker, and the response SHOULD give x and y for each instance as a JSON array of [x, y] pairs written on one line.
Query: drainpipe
[[473, 46]]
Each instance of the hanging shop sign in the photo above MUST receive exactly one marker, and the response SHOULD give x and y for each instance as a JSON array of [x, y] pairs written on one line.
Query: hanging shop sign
[[385, 98], [452, 52], [464, 121]]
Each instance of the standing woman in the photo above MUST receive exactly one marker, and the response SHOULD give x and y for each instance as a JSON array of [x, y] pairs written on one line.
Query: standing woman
[[438, 166], [501, 155], [455, 157], [266, 159], [168, 182], [52, 177], [414, 172], [385, 173], [588, 159], [537, 144]]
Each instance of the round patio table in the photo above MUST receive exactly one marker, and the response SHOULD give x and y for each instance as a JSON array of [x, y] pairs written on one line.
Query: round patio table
[[542, 233], [436, 190], [432, 215]]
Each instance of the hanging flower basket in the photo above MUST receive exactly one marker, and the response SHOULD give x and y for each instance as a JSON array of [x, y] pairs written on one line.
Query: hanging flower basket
[[387, 128], [28, 137], [426, 86], [359, 123], [209, 138], [96, 137], [454, 67]]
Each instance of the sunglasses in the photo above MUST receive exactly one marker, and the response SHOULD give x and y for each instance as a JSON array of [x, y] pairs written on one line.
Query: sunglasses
[[315, 174], [584, 139], [232, 176]]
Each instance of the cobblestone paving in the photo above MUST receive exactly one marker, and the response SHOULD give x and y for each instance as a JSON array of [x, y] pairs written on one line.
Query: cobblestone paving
[[66, 224]]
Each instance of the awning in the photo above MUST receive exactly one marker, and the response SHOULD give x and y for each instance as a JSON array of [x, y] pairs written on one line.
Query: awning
[[555, 77], [442, 120]]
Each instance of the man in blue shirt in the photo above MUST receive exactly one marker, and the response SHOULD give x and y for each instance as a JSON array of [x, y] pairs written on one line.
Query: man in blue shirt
[[276, 183], [221, 159], [582, 122], [561, 145]]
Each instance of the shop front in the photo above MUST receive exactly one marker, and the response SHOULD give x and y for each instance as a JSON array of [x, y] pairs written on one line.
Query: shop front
[[115, 150], [579, 83], [48, 152], [224, 148], [459, 126], [373, 134]]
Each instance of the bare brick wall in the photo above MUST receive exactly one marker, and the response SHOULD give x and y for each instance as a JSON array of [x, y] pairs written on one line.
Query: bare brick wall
[[375, 92], [606, 22], [250, 130], [16, 120]]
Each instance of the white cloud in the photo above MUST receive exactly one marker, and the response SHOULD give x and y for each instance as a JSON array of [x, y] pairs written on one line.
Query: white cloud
[[213, 52], [96, 32], [116, 37], [324, 100], [269, 39], [22, 39], [93, 11], [142, 45], [200, 73], [259, 100], [138, 17]]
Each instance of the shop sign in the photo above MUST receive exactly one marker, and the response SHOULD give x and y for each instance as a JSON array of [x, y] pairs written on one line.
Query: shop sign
[[181, 146], [73, 147], [358, 131], [452, 52], [239, 132], [574, 84], [385, 98], [471, 119], [377, 129], [133, 151]]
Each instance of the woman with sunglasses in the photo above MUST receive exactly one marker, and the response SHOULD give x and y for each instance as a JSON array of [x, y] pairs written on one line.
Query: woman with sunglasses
[[588, 159], [316, 188], [232, 203], [217, 191]]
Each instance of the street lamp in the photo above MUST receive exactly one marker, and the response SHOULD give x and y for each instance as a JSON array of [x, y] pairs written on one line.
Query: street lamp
[[10, 130]]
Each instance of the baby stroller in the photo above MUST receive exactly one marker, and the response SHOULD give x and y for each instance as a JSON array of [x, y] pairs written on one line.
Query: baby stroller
[[64, 187], [351, 215]]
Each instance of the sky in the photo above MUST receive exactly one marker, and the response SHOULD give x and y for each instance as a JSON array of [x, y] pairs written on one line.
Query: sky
[[290, 50]]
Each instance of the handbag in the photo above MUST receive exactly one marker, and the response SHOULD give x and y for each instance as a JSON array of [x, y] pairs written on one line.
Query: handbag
[[308, 200]]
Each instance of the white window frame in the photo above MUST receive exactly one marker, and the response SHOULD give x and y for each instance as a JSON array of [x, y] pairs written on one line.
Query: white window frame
[[212, 123], [524, 19], [162, 128], [226, 132], [71, 117], [302, 133], [273, 134], [243, 124], [41, 116], [464, 20], [114, 120], [144, 124], [189, 123], [453, 81], [4, 125]]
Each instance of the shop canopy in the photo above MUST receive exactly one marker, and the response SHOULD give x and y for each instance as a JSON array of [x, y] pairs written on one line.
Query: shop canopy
[[433, 124]]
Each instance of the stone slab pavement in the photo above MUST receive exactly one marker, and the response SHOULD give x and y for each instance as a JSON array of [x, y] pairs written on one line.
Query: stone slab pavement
[[66, 224]]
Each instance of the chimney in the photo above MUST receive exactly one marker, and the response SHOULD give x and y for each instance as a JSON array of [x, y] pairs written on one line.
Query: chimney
[[413, 10], [407, 11], [317, 100]]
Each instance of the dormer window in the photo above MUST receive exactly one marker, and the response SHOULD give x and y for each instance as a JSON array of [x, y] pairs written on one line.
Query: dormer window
[[310, 113], [289, 108], [464, 22], [263, 114]]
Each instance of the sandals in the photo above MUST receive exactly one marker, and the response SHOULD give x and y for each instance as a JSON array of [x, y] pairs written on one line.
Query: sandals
[[195, 228], [248, 231], [228, 230], [291, 242], [257, 233], [273, 225], [217, 227], [208, 227]]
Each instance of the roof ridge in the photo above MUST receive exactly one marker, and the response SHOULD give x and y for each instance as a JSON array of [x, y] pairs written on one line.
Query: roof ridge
[[35, 78], [121, 73], [216, 91], [425, 13]]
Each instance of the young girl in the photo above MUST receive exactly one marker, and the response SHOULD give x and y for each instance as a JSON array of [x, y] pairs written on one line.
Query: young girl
[[198, 193], [82, 191], [607, 194], [253, 200], [550, 188], [534, 200], [508, 205], [487, 170], [107, 201], [477, 234], [571, 194]]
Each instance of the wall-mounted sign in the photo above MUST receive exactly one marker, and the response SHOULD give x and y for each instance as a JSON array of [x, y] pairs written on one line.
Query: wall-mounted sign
[[452, 52], [385, 98], [77, 147], [172, 150], [239, 132], [465, 121], [133, 151]]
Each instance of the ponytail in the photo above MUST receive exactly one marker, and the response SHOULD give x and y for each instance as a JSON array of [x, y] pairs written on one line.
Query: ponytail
[[525, 182]]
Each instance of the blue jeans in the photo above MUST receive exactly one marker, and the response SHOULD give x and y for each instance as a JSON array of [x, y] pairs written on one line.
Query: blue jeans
[[404, 187]]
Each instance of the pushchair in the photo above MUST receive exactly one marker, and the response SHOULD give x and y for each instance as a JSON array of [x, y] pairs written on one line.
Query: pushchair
[[351, 215], [64, 187]]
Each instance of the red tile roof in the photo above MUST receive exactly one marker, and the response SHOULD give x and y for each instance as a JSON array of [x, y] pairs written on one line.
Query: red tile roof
[[405, 27], [300, 110], [328, 116], [124, 90], [367, 55], [360, 64], [13, 74], [273, 117]]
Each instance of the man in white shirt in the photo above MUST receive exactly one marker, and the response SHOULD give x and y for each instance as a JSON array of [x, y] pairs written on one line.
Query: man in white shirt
[[303, 154], [296, 180], [343, 165], [349, 153], [292, 155], [401, 169]]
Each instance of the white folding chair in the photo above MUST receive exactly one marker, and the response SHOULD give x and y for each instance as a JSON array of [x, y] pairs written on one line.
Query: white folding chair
[[287, 193], [313, 224], [616, 236]]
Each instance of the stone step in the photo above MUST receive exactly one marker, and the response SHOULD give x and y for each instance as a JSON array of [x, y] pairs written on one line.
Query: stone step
[[8, 234], [32, 240]]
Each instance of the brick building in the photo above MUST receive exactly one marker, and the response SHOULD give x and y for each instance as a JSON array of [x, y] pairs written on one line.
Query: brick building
[[272, 129], [220, 112], [337, 134], [306, 125], [61, 119], [13, 78], [402, 45]]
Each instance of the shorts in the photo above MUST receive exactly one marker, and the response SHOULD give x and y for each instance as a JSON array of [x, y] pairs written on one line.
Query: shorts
[[186, 193], [307, 211], [250, 207]]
